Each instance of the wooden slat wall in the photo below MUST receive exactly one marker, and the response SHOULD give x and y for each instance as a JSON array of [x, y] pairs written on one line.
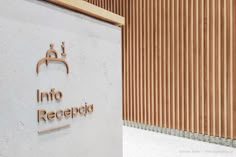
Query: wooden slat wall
[[179, 63]]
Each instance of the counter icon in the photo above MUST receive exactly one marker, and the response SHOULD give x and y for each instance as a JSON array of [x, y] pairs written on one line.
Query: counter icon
[[52, 55]]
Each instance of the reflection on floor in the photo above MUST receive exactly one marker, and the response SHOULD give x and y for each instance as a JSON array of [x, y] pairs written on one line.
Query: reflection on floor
[[142, 143]]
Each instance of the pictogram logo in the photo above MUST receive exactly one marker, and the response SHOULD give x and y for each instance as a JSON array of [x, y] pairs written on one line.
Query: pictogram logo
[[52, 55]]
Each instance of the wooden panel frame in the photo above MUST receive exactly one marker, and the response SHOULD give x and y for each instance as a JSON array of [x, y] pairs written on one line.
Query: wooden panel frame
[[91, 10]]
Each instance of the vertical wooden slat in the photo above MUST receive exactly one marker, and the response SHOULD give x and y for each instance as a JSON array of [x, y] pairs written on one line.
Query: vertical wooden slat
[[182, 89], [208, 68], [213, 70], [164, 65], [219, 64], [141, 61], [138, 60], [112, 6], [144, 63], [156, 61], [234, 64], [160, 63], [231, 70], [130, 62], [210, 81], [134, 52], [173, 65], [200, 23], [206, 114], [225, 72], [222, 70], [168, 63], [127, 61], [148, 63], [228, 68], [152, 57], [202, 66], [191, 68], [217, 88], [186, 64], [197, 117], [177, 2]]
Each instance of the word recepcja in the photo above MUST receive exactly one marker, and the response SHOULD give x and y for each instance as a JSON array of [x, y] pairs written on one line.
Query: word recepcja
[[66, 113]]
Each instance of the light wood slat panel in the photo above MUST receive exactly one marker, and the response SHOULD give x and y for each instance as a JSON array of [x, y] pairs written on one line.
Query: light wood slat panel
[[205, 67], [191, 69], [222, 69], [130, 62], [234, 65], [124, 48], [148, 63], [182, 98], [160, 63], [173, 65], [208, 66], [177, 48], [144, 63], [145, 56], [228, 68], [127, 59], [170, 64], [205, 61], [219, 65], [231, 69], [156, 61], [217, 79], [129, 92], [187, 89], [198, 47], [147, 42], [196, 69], [164, 63], [212, 67], [202, 66], [179, 63], [152, 58], [167, 63], [133, 63], [138, 60], [141, 63], [225, 69]]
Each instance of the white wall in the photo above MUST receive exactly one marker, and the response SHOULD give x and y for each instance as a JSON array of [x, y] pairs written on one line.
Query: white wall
[[27, 27]]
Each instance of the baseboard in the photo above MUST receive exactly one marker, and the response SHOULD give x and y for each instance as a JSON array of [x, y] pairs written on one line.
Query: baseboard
[[181, 133]]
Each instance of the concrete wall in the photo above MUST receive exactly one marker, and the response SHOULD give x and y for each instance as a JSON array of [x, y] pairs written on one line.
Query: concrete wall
[[27, 28]]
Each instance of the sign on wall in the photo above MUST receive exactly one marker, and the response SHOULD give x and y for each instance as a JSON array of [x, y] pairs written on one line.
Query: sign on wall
[[58, 99], [44, 115]]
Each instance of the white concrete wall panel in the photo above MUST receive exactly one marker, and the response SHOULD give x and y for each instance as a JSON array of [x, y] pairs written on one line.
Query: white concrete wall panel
[[27, 27]]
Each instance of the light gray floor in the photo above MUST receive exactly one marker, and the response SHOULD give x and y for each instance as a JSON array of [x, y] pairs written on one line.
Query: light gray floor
[[142, 143]]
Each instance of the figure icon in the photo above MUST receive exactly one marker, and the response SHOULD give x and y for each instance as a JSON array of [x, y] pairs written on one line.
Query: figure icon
[[52, 55], [63, 49]]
